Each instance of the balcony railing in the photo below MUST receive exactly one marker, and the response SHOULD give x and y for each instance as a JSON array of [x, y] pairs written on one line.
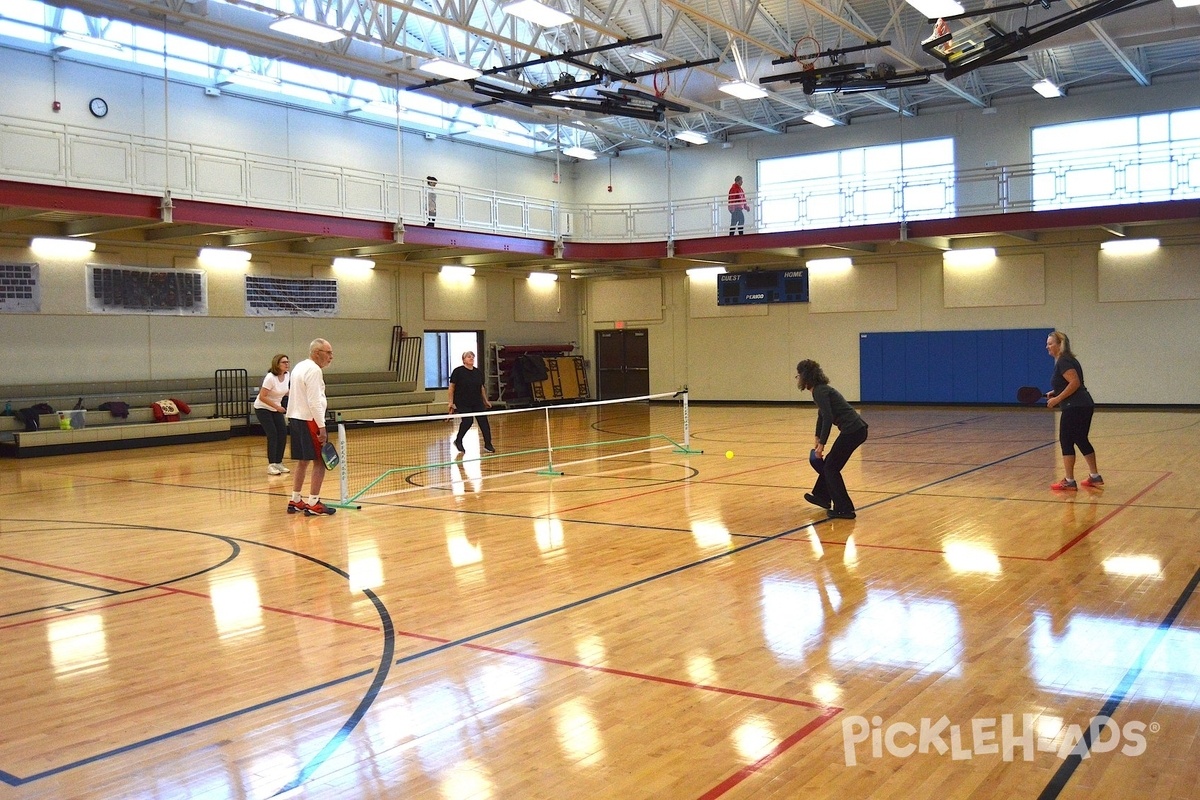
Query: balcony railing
[[75, 156]]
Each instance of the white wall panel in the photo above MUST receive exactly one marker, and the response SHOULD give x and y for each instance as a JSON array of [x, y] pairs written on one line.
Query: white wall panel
[[221, 178], [627, 299], [1168, 273], [320, 190], [30, 153], [457, 299], [1008, 281]]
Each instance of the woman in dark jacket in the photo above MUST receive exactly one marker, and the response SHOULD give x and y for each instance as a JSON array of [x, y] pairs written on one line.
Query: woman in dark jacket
[[832, 409]]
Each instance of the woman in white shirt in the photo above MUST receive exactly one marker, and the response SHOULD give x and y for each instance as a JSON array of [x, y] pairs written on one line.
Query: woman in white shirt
[[271, 412]]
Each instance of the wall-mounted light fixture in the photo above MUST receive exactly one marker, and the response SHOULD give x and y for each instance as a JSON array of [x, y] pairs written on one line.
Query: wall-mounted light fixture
[[542, 278], [62, 248], [456, 273], [224, 257], [1129, 247], [692, 137], [827, 266], [976, 257], [580, 152], [705, 272]]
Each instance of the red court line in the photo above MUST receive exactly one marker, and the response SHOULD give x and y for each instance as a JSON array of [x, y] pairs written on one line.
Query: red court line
[[41, 620], [654, 678], [166, 590], [779, 749], [1106, 518]]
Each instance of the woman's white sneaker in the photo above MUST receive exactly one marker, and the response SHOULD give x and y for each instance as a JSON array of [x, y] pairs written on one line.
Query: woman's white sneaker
[[273, 469], [282, 469]]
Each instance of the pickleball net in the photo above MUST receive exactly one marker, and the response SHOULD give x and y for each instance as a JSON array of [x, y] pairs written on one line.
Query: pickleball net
[[389, 457]]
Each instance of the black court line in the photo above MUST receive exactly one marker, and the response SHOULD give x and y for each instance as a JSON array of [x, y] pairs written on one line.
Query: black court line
[[1066, 770], [13, 780], [53, 579]]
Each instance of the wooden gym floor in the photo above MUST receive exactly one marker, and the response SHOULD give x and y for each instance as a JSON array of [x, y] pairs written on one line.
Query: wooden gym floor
[[656, 626]]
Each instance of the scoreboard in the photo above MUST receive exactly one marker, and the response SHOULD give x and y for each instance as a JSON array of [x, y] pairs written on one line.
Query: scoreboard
[[763, 286]]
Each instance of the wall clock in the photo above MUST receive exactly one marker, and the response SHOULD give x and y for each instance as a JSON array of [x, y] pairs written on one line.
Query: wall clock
[[98, 107]]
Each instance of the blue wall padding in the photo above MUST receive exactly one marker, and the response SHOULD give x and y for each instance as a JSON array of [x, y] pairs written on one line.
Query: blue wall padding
[[952, 366]]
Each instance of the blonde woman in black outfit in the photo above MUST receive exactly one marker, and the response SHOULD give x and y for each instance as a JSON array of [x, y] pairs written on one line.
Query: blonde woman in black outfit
[[1068, 393], [832, 409]]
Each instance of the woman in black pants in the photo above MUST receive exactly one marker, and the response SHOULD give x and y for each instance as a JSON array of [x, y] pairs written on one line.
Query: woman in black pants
[[467, 395], [1068, 393], [270, 409], [832, 409]]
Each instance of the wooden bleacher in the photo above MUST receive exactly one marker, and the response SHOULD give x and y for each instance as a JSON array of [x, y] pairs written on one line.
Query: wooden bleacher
[[371, 395]]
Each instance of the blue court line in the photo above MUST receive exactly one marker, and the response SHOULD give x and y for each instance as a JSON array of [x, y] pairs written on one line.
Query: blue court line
[[1067, 769]]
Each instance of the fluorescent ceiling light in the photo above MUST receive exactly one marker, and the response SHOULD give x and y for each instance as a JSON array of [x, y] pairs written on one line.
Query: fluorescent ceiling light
[[1047, 88], [62, 247], [353, 264], [743, 90], [829, 265], [1129, 247], [542, 277], [976, 257], [537, 13], [1186, 3], [934, 9], [450, 69], [693, 137], [223, 257], [306, 29], [705, 272], [89, 44], [450, 271], [820, 119], [654, 58], [247, 78], [581, 153]]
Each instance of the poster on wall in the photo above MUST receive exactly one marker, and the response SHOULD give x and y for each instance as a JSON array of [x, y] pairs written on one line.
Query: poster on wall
[[291, 297], [19, 289], [136, 290]]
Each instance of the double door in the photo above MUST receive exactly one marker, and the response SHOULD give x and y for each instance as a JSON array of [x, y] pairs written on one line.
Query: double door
[[622, 363]]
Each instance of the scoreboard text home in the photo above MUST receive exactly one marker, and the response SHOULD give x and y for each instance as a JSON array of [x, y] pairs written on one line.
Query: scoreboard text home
[[763, 286]]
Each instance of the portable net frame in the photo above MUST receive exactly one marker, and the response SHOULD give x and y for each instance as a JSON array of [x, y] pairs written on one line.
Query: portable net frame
[[388, 457]]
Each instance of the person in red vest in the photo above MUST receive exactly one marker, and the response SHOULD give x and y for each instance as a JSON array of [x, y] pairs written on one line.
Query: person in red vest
[[737, 207]]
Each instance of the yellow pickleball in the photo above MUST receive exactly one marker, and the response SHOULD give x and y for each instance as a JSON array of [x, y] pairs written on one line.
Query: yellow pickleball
[[729, 454]]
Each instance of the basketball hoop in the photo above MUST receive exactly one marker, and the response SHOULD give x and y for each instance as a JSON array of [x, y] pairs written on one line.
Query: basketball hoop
[[807, 64], [661, 82]]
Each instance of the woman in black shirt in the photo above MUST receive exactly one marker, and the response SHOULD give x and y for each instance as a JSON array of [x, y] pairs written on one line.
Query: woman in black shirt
[[832, 409], [1068, 393], [467, 394]]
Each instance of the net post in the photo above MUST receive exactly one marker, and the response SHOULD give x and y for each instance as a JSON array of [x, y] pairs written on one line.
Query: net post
[[687, 426], [343, 467], [549, 470]]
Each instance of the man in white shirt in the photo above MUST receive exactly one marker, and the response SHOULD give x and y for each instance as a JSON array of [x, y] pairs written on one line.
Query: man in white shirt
[[306, 427]]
